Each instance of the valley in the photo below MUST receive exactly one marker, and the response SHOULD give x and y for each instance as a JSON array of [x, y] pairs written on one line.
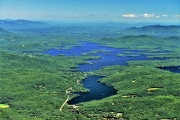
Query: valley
[[136, 71]]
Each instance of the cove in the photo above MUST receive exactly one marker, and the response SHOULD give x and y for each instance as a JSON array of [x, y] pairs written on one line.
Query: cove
[[109, 57], [97, 90], [171, 69]]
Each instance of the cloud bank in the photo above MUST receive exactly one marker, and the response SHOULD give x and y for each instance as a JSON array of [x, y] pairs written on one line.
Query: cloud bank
[[148, 15]]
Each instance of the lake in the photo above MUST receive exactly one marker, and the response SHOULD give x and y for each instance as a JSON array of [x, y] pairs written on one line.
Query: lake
[[109, 57], [97, 90]]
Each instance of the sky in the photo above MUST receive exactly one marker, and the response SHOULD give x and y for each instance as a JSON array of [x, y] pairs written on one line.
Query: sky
[[92, 10]]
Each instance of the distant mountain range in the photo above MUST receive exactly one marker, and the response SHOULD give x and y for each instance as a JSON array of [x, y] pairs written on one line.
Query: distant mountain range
[[118, 29], [21, 24], [154, 30]]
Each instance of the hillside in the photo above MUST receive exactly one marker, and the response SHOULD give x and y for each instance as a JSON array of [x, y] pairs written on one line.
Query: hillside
[[2, 31], [140, 42]]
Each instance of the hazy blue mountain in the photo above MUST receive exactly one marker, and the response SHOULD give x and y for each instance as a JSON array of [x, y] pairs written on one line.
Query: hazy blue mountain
[[21, 24], [3, 32], [154, 30]]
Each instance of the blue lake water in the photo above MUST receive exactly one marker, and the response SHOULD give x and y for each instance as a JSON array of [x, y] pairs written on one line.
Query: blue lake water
[[97, 90], [172, 69], [108, 58]]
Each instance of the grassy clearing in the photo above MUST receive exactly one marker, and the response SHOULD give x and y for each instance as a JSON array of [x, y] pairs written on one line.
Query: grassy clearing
[[4, 106]]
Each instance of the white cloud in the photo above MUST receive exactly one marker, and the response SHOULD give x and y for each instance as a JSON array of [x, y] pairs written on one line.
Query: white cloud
[[148, 15], [164, 15], [176, 15], [130, 15]]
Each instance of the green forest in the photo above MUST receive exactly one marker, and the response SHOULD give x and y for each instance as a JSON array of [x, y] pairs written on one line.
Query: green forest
[[37, 86]]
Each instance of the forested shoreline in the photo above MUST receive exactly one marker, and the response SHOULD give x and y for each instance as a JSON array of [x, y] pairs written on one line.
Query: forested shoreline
[[34, 84]]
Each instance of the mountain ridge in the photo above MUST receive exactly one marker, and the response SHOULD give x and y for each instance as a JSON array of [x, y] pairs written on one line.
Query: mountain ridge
[[153, 30], [21, 24]]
